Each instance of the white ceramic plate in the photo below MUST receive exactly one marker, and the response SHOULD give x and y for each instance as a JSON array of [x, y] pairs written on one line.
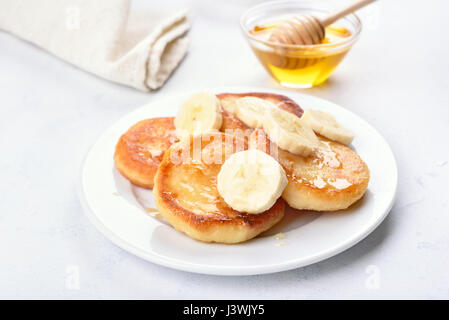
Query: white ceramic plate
[[117, 208]]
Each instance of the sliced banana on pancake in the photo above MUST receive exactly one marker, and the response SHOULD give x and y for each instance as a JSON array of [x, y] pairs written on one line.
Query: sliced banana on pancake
[[330, 179], [251, 181], [325, 124], [290, 132], [201, 113], [251, 110], [186, 194]]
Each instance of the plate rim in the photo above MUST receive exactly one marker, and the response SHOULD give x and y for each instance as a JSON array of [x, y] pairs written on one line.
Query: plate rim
[[233, 270]]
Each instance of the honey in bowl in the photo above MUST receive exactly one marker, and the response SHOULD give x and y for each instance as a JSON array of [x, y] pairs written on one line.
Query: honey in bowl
[[300, 66]]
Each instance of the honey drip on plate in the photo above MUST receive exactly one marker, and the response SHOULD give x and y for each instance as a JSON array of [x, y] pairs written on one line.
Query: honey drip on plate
[[280, 236], [154, 213]]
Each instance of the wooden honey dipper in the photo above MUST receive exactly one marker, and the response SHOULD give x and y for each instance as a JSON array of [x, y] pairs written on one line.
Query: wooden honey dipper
[[307, 29]]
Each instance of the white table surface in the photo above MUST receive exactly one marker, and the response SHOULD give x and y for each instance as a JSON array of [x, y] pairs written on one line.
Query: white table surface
[[51, 113]]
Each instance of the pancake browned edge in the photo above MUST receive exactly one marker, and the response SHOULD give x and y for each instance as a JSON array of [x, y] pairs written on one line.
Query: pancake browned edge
[[187, 197], [140, 150], [332, 178]]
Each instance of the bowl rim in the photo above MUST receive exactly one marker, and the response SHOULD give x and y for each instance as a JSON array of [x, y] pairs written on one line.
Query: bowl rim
[[298, 5]]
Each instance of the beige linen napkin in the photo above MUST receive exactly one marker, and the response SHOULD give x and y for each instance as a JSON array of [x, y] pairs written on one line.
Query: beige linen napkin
[[138, 49]]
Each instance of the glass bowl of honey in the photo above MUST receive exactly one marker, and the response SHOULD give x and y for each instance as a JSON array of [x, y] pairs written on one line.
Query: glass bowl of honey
[[298, 66]]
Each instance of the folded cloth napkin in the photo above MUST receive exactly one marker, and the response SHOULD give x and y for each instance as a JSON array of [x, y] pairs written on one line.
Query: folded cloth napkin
[[139, 49]]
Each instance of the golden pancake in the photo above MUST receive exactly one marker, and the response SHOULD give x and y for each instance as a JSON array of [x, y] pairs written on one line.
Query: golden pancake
[[140, 150], [332, 178], [186, 194]]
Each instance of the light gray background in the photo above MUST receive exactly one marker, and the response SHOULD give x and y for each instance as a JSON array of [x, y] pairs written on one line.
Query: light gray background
[[51, 113]]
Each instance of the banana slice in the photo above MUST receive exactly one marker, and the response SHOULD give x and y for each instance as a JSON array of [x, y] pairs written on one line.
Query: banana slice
[[201, 113], [250, 110], [325, 124], [290, 132], [251, 181]]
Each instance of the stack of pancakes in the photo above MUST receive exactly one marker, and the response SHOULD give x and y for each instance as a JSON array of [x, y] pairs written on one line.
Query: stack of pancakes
[[186, 191]]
